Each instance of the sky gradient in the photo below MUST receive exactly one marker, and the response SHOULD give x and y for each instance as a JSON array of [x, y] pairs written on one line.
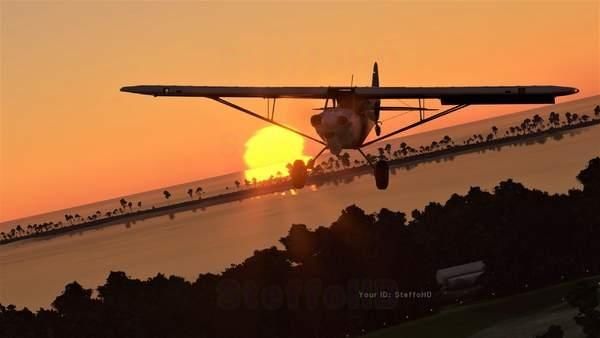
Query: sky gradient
[[69, 137]]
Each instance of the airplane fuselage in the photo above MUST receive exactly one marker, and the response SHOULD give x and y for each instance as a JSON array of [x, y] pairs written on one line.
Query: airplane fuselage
[[345, 126]]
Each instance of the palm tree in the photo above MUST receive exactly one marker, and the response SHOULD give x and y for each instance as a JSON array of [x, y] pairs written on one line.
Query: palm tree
[[345, 158], [554, 119], [526, 125], [190, 193], [537, 120], [597, 111], [569, 117], [495, 130], [167, 194], [575, 117], [237, 183], [388, 148], [123, 202], [139, 204]]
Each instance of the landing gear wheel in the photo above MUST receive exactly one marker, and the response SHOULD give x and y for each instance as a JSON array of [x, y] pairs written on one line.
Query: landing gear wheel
[[298, 174], [382, 174], [377, 129]]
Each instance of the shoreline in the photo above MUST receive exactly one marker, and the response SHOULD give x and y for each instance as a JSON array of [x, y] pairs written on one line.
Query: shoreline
[[319, 179]]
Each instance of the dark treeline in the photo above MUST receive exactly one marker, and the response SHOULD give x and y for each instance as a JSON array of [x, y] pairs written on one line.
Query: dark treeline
[[327, 282]]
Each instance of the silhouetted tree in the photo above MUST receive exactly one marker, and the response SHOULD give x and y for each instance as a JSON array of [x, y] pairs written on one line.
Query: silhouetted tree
[[388, 148], [554, 119], [199, 192], [590, 177], [569, 117], [345, 159], [123, 203]]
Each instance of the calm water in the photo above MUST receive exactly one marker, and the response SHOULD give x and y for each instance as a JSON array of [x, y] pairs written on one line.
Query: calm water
[[34, 272]]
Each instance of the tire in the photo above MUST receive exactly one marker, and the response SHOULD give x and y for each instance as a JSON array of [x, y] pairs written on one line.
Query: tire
[[298, 174], [382, 174]]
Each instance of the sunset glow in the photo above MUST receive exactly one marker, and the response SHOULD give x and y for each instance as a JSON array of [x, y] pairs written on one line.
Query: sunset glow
[[69, 137], [268, 152]]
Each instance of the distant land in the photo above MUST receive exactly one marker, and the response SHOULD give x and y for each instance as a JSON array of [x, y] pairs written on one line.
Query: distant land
[[533, 128]]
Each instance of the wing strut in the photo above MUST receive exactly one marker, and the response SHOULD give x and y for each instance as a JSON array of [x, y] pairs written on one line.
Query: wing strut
[[421, 121], [258, 116]]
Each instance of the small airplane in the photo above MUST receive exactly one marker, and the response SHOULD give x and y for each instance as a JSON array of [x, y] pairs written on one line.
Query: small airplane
[[355, 111]]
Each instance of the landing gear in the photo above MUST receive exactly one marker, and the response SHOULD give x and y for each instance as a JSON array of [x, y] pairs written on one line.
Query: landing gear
[[381, 170], [382, 174], [298, 173]]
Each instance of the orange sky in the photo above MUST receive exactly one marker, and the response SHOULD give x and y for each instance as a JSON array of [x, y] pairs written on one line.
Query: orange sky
[[68, 136]]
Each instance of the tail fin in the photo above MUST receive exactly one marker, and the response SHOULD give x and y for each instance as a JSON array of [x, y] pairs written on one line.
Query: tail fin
[[376, 103], [375, 79]]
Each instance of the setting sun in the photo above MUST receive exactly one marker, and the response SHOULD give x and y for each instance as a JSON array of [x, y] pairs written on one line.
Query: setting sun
[[269, 150]]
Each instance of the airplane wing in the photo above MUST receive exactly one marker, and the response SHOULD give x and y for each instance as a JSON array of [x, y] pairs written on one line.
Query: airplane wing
[[447, 95]]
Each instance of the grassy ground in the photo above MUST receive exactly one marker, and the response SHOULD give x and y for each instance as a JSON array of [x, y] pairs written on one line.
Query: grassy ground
[[464, 321]]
